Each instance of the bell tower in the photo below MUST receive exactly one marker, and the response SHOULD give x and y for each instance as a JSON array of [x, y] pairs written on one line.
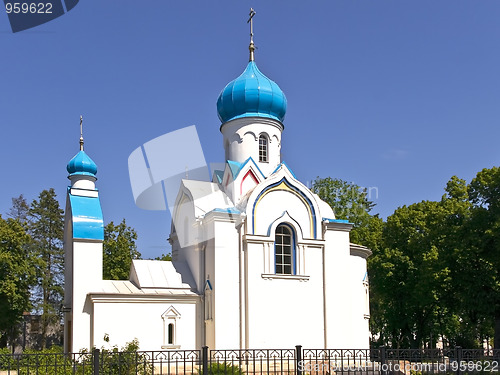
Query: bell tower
[[251, 109], [83, 239]]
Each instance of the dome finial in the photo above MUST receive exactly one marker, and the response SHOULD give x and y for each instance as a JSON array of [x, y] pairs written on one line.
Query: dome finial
[[81, 133], [251, 47]]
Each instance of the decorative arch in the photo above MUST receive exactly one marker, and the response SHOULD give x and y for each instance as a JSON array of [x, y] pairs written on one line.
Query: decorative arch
[[285, 185], [287, 219], [252, 134], [249, 175]]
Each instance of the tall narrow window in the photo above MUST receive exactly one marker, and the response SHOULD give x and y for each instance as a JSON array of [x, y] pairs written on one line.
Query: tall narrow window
[[284, 250], [170, 320], [263, 157], [171, 334]]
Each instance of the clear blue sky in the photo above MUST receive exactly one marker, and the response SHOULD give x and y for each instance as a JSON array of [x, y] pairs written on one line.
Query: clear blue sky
[[394, 94]]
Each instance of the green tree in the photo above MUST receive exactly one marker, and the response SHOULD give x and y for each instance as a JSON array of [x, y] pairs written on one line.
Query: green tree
[[119, 249], [164, 257], [46, 226], [17, 275], [351, 202], [408, 275], [484, 192], [19, 209]]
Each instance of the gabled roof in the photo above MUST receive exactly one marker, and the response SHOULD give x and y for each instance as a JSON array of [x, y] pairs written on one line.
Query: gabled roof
[[236, 167], [126, 287], [287, 167], [157, 274], [205, 195]]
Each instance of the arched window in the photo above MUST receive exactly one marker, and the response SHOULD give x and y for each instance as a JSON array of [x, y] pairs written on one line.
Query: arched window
[[263, 149], [284, 249]]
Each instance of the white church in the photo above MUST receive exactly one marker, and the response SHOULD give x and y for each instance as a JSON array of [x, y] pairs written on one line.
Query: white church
[[259, 261]]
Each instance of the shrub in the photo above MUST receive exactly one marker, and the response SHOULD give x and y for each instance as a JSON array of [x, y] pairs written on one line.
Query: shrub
[[223, 369]]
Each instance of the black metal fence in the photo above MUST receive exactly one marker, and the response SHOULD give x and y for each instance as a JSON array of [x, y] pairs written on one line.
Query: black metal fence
[[299, 361]]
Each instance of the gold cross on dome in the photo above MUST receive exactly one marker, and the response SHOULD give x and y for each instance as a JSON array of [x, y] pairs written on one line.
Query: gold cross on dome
[[252, 46]]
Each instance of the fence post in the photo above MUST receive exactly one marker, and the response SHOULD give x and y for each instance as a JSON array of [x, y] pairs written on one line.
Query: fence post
[[204, 360], [95, 361], [382, 360], [298, 359], [459, 358]]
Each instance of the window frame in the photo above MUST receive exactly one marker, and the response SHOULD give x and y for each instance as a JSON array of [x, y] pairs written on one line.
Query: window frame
[[263, 149], [293, 260], [170, 318]]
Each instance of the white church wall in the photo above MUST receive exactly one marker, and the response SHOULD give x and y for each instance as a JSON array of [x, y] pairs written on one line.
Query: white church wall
[[187, 237], [87, 275], [359, 302], [343, 318], [124, 321], [242, 138], [225, 282], [284, 311], [209, 274]]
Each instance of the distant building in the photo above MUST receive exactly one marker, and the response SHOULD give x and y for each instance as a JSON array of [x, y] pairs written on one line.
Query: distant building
[[259, 261]]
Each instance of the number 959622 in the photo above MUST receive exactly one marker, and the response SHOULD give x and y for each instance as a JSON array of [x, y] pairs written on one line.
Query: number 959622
[[33, 8]]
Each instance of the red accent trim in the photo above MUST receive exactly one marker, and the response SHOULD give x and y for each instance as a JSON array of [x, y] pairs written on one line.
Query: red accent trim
[[244, 178]]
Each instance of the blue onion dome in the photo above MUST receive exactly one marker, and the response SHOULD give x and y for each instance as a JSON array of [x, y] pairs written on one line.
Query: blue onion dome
[[252, 94], [82, 164]]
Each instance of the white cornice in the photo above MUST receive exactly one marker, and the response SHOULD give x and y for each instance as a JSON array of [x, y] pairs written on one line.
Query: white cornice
[[227, 217], [143, 298], [359, 251], [253, 120], [344, 227]]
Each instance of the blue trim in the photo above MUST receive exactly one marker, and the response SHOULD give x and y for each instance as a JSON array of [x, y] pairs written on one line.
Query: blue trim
[[82, 174], [294, 257], [336, 221], [209, 285], [86, 215], [219, 175], [287, 167], [255, 164], [254, 114], [230, 210], [237, 167], [313, 212]]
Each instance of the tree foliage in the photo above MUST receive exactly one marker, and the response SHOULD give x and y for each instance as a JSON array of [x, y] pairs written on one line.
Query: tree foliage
[[19, 209], [351, 202], [46, 226], [119, 249], [17, 275], [434, 272], [167, 257], [484, 191]]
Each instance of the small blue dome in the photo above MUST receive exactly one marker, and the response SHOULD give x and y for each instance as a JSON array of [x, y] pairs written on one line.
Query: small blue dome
[[82, 164], [252, 94]]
